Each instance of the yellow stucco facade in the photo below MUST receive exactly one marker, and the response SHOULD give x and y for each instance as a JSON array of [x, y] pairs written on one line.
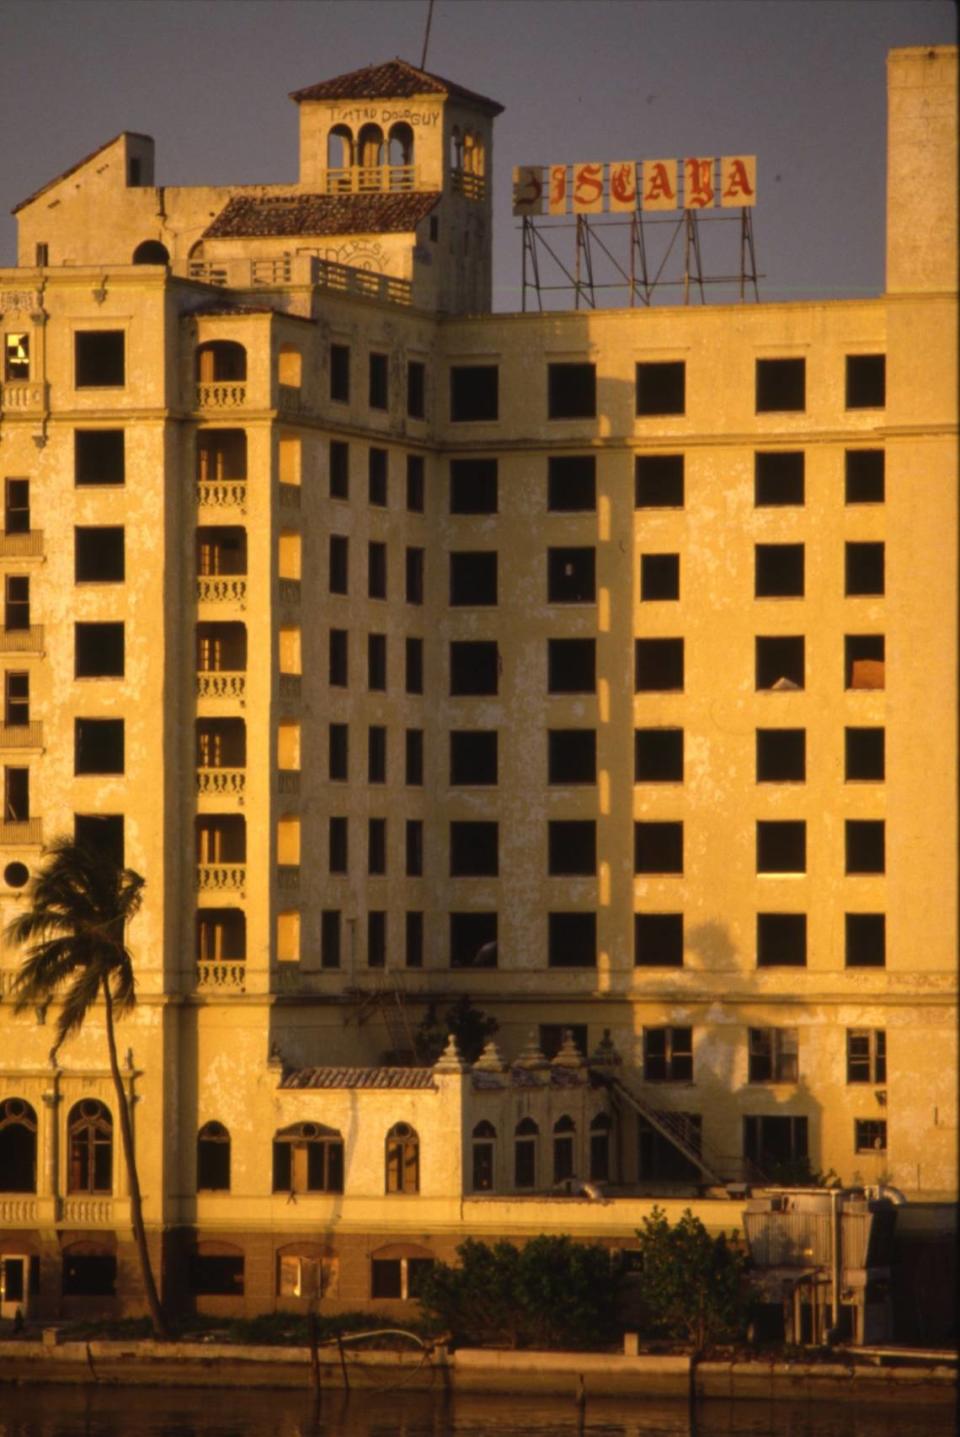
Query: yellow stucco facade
[[695, 787]]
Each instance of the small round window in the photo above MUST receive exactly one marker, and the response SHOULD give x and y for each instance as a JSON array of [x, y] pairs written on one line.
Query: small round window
[[15, 875]]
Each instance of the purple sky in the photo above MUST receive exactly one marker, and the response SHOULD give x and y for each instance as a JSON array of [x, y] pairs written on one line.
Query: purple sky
[[800, 83]]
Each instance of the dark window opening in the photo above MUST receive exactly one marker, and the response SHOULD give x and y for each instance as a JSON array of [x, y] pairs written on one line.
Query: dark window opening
[[98, 745], [869, 1135], [379, 382], [150, 251], [221, 838], [220, 549], [564, 1133], [88, 1275], [483, 1146], [414, 940], [413, 753], [413, 666], [213, 1158], [377, 462], [338, 751], [571, 391], [414, 848], [98, 651], [571, 755], [866, 1055], [221, 935], [571, 576], [659, 665], [572, 483], [99, 358], [660, 1160], [659, 576], [474, 850], [221, 455], [416, 389], [216, 1275], [473, 756], [775, 1143], [339, 469], [572, 940], [781, 755], [668, 1055], [781, 846], [864, 661], [778, 571], [473, 578], [865, 754], [781, 385], [474, 392], [99, 555], [473, 940], [525, 1154], [414, 576], [658, 847], [473, 486], [864, 568], [377, 570], [376, 845], [571, 666], [16, 798], [780, 663], [386, 1277], [340, 373], [16, 508], [101, 834], [781, 940], [474, 667], [772, 1055], [221, 648], [330, 938], [552, 1036], [16, 617], [376, 939], [866, 381], [90, 1139], [415, 483], [338, 845], [572, 847], [865, 845], [658, 940], [377, 662], [18, 1147], [16, 699], [865, 476], [658, 755], [659, 482], [338, 658], [220, 360], [661, 388], [778, 479], [98, 456], [376, 754]]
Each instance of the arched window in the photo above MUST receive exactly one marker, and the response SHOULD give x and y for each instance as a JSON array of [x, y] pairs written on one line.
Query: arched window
[[213, 1158], [564, 1132], [526, 1135], [370, 146], [151, 252], [219, 360], [90, 1140], [308, 1158], [484, 1139], [400, 153], [18, 1147], [290, 366], [600, 1147], [403, 1159], [340, 148]]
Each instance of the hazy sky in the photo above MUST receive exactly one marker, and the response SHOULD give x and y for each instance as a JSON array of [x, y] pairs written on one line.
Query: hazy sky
[[800, 83]]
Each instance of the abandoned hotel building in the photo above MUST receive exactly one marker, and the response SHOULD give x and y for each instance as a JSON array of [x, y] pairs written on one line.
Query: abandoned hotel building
[[598, 663]]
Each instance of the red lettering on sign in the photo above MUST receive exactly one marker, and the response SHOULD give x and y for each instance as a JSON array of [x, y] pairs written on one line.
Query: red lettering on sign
[[587, 185], [738, 182], [623, 183], [657, 186], [698, 184]]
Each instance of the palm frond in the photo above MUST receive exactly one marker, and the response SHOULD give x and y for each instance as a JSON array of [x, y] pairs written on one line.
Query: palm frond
[[77, 1001], [45, 968]]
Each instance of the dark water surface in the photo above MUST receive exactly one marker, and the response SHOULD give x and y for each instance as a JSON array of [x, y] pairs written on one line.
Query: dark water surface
[[171, 1412]]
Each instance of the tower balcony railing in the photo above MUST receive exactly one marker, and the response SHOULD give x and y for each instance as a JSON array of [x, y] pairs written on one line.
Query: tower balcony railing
[[22, 546], [221, 684], [301, 268], [370, 180], [22, 735], [221, 394], [222, 782], [28, 640], [221, 975], [221, 877], [471, 186], [223, 589], [222, 493]]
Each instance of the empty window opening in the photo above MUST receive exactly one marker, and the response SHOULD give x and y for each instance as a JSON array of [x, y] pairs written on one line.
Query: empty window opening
[[98, 651], [869, 1135], [572, 484], [16, 617], [221, 838], [772, 1055], [339, 469], [376, 845], [215, 1272], [864, 568], [668, 1055], [866, 381], [18, 1146], [659, 666], [781, 385], [222, 456], [658, 847], [483, 1147], [525, 1144], [16, 797], [474, 667], [781, 846], [308, 1158], [414, 848], [571, 391], [377, 466], [377, 662], [775, 1145], [402, 1159], [99, 358], [659, 1160], [221, 648], [473, 486], [376, 570], [221, 361], [473, 756], [658, 755], [338, 751], [571, 666], [866, 1055], [98, 456], [780, 663], [564, 1154], [571, 576], [16, 357], [413, 666], [90, 1144], [473, 940], [401, 1277], [474, 850], [572, 847], [416, 389], [338, 650], [340, 373], [220, 549], [150, 251], [98, 745], [864, 661], [379, 382], [572, 940], [865, 476], [338, 844], [778, 571], [376, 938], [221, 743], [659, 576], [307, 1273], [414, 575], [16, 699], [781, 940], [413, 755], [88, 1274], [659, 481], [376, 753], [778, 479], [865, 845], [661, 388], [865, 754], [98, 555], [16, 506], [339, 563], [571, 756], [213, 1158], [781, 755], [330, 938], [415, 483], [413, 939], [658, 940], [100, 834], [600, 1134], [473, 578], [474, 392]]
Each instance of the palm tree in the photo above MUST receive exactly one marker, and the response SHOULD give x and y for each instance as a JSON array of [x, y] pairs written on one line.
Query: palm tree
[[80, 903]]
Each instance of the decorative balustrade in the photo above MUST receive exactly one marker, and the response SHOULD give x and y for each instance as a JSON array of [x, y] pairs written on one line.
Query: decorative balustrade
[[24, 396], [223, 493], [87, 1211], [222, 590], [222, 877], [289, 591], [22, 546], [272, 271], [369, 180], [471, 186], [288, 877], [222, 394], [288, 779], [22, 735], [22, 641], [309, 269], [19, 1211], [347, 279], [222, 975], [222, 782], [21, 831], [290, 686], [215, 685], [289, 496]]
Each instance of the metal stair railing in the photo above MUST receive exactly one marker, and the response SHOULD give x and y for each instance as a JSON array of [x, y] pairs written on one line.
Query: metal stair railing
[[671, 1126]]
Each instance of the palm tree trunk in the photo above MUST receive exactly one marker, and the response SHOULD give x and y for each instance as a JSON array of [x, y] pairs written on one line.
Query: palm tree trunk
[[136, 1205]]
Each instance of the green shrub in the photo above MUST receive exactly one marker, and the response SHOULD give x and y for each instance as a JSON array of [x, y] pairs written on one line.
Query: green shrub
[[691, 1285]]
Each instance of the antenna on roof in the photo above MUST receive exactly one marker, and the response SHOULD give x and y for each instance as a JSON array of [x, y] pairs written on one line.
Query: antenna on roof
[[426, 38]]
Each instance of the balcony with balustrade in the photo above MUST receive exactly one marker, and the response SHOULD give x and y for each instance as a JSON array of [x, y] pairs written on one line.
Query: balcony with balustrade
[[222, 567], [221, 854], [222, 661], [221, 760], [222, 470], [221, 947]]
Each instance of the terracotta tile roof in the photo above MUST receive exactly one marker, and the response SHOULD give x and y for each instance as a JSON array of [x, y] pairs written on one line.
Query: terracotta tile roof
[[134, 134], [394, 80], [248, 215], [358, 1078]]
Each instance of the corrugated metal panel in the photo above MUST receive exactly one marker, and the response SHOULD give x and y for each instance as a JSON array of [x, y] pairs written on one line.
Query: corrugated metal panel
[[788, 1239]]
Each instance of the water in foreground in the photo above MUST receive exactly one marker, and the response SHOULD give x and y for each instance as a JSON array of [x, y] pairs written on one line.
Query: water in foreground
[[53, 1411]]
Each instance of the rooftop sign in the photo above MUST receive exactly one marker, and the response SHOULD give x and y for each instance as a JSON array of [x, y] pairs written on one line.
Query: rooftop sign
[[623, 186]]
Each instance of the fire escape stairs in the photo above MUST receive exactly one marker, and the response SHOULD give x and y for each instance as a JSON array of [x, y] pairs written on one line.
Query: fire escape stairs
[[673, 1127], [387, 1000]]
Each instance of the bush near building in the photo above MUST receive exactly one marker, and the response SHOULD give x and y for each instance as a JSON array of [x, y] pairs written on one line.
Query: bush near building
[[690, 1285]]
